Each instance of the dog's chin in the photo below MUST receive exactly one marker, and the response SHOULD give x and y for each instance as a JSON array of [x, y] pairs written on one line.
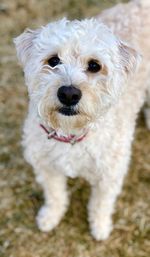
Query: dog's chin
[[68, 111], [68, 120]]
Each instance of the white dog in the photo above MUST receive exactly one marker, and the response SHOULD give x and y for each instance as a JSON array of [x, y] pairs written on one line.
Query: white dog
[[86, 86]]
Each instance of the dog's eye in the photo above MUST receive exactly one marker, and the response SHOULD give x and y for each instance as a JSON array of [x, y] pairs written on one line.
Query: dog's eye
[[54, 61], [94, 66]]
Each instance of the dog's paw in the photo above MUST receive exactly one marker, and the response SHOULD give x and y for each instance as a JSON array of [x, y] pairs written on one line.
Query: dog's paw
[[101, 229], [48, 218]]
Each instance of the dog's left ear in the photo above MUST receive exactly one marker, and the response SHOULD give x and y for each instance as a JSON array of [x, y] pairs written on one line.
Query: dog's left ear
[[24, 45], [130, 58]]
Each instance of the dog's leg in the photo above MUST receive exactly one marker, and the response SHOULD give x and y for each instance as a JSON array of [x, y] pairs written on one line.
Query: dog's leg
[[101, 207], [56, 200]]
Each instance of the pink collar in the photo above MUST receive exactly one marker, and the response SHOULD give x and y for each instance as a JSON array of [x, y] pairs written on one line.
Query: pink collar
[[72, 139]]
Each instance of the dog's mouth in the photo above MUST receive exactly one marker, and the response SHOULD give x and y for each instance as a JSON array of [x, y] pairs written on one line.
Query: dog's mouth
[[68, 111]]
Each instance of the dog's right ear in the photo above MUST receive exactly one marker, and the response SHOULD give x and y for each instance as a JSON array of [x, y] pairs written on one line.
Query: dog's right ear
[[24, 45]]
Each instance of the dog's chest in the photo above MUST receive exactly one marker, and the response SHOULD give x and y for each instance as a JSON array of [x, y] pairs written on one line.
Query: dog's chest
[[82, 159], [76, 160], [86, 158]]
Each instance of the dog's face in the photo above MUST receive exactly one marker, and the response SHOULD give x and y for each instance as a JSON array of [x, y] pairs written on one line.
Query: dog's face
[[74, 70]]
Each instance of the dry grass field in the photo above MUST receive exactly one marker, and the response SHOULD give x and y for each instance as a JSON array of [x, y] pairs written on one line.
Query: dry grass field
[[21, 197]]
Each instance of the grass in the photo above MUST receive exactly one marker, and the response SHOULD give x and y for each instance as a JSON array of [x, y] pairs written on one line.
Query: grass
[[21, 197]]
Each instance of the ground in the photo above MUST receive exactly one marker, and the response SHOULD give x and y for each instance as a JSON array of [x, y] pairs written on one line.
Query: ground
[[21, 197]]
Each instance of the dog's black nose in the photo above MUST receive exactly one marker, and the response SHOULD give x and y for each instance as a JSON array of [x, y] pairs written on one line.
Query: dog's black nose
[[69, 95]]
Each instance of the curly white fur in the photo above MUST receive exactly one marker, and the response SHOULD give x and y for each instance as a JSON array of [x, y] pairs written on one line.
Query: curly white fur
[[108, 108]]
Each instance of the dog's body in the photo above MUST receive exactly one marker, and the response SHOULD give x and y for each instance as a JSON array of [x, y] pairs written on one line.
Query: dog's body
[[104, 116]]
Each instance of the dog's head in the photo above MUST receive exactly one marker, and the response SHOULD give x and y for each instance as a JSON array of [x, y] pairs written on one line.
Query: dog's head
[[74, 70]]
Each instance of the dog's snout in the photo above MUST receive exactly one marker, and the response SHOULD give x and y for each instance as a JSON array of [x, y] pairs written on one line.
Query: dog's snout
[[69, 95]]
